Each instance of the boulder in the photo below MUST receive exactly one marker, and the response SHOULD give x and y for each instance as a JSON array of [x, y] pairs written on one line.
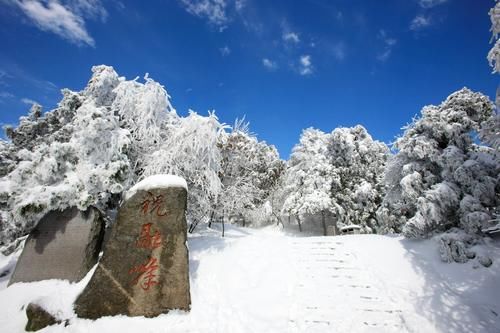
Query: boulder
[[485, 261], [38, 318]]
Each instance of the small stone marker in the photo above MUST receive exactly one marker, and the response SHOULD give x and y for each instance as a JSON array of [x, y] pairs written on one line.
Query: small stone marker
[[144, 269], [63, 245]]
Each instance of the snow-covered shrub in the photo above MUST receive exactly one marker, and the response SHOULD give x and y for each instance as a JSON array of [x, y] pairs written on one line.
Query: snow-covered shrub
[[454, 246]]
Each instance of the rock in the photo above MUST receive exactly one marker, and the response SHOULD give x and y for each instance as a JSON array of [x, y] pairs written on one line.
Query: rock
[[470, 254], [144, 269], [454, 247], [485, 261], [64, 245], [38, 318]]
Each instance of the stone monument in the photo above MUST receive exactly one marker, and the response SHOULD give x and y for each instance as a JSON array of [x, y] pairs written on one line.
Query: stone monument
[[144, 270], [63, 245]]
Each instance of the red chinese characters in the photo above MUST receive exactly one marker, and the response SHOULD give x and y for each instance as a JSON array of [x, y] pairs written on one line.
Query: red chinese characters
[[153, 203], [147, 240], [146, 274]]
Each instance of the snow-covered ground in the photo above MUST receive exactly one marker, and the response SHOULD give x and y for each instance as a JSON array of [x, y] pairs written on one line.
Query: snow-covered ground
[[269, 281]]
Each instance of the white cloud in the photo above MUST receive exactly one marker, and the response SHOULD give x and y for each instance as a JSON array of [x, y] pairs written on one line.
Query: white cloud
[[306, 67], [225, 51], [384, 55], [21, 75], [430, 3], [420, 22], [389, 44], [339, 16], [89, 8], [28, 101], [5, 95], [269, 64], [240, 4], [339, 51], [215, 11], [64, 19], [291, 37], [3, 76]]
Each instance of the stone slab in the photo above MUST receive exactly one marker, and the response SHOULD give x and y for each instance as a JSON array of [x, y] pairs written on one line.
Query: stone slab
[[63, 245]]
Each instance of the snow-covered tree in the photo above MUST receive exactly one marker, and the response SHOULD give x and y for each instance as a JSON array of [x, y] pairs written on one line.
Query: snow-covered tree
[[100, 141], [357, 165], [81, 163], [494, 54], [277, 197], [191, 151], [85, 152], [337, 175], [307, 179], [7, 158], [490, 132], [249, 170], [146, 112], [440, 177]]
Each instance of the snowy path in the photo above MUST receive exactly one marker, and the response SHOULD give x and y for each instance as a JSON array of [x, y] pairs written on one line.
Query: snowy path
[[267, 281], [299, 284], [334, 292]]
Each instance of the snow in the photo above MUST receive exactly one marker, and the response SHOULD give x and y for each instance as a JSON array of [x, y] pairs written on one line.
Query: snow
[[350, 226], [265, 280], [156, 181]]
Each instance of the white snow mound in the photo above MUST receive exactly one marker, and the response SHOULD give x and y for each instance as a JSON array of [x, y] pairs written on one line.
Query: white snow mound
[[156, 181]]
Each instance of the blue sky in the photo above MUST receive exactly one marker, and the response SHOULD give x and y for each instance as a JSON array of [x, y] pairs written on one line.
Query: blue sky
[[285, 65]]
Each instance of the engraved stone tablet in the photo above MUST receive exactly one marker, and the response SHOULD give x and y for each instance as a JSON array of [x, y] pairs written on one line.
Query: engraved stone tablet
[[144, 269]]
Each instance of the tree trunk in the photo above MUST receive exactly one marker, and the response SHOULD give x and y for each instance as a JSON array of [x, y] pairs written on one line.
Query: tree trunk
[[192, 227], [222, 223], [289, 219], [211, 218], [195, 224], [278, 221], [323, 222], [298, 221]]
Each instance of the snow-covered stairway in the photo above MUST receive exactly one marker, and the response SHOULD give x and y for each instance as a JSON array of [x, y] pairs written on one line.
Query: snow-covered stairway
[[332, 292]]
